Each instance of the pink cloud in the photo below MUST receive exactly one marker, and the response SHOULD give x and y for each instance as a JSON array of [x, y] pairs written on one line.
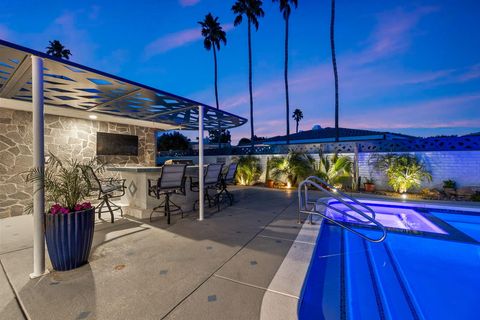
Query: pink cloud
[[392, 34], [433, 113], [472, 73], [188, 3], [175, 40]]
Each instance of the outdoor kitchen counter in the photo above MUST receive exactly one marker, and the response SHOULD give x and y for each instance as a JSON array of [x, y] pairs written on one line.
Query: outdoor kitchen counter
[[137, 203]]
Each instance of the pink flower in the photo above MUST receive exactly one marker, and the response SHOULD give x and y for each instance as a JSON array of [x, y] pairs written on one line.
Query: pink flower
[[82, 206], [55, 208], [86, 205], [64, 210]]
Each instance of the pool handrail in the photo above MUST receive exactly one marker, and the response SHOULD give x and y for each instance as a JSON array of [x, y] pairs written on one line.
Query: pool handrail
[[344, 195], [304, 209]]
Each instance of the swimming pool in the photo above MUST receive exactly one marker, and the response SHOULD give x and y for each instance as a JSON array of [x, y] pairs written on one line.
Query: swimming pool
[[427, 268]]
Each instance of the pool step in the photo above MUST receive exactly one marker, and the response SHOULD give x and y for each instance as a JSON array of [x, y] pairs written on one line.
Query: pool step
[[397, 300], [362, 293], [357, 280], [376, 288]]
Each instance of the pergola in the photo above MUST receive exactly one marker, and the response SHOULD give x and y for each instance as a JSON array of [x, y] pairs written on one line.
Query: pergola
[[36, 82]]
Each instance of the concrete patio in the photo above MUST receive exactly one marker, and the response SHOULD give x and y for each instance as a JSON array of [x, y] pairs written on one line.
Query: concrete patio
[[247, 261]]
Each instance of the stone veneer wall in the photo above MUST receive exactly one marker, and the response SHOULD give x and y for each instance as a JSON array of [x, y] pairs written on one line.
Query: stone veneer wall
[[66, 138]]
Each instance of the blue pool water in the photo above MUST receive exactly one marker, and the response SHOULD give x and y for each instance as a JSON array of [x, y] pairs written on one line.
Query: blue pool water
[[429, 274]]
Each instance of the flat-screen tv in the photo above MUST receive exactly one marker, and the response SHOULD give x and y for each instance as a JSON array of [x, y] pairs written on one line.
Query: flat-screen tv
[[112, 144]]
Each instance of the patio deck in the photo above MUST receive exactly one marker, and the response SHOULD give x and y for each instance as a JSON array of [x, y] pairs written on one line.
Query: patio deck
[[233, 265]]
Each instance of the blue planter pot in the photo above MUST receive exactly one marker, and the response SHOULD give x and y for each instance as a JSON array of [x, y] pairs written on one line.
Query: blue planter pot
[[69, 238]]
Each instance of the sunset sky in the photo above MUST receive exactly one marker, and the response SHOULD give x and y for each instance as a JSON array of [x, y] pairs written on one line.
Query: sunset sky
[[404, 66]]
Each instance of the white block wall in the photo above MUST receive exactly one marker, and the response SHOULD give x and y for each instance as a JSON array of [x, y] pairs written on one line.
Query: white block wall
[[461, 166]]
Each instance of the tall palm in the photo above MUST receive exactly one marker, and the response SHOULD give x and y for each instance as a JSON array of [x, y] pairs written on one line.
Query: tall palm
[[286, 9], [297, 116], [252, 10], [213, 35], [58, 50], [335, 73]]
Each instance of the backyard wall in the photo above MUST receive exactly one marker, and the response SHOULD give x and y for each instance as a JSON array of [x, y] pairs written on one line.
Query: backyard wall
[[461, 166], [65, 137]]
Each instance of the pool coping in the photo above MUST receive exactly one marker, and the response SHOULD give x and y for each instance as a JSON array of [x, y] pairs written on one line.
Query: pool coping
[[296, 260]]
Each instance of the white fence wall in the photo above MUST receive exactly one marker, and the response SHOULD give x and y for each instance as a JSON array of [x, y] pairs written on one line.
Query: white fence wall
[[461, 166]]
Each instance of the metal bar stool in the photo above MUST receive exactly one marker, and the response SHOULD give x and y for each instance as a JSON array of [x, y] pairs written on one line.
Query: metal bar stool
[[211, 180], [107, 189], [227, 179], [171, 181]]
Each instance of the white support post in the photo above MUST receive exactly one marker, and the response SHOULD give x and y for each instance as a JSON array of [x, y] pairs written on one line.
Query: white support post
[[201, 188], [38, 162]]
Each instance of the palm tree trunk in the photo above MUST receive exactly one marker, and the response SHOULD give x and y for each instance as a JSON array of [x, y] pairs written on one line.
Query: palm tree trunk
[[252, 135], [216, 80], [297, 127], [287, 100], [216, 92], [335, 73]]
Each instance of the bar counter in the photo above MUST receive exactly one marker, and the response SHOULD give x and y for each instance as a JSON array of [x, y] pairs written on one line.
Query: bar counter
[[137, 203]]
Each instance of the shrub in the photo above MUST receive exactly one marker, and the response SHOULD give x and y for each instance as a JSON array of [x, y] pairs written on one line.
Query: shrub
[[248, 170], [449, 184], [172, 141], [404, 172], [223, 135], [293, 167], [334, 170]]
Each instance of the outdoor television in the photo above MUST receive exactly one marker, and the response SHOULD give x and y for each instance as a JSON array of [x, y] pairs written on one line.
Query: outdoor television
[[112, 144]]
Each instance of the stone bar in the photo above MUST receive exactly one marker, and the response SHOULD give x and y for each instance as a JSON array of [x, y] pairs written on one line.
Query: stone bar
[[137, 203]]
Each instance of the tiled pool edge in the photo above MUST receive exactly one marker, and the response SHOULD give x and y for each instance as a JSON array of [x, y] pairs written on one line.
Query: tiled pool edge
[[297, 261]]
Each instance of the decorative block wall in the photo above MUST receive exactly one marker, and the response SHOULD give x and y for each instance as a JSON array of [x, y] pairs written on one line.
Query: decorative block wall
[[461, 166], [66, 138]]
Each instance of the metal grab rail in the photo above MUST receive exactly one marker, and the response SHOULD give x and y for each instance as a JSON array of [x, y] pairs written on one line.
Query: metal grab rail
[[344, 195], [304, 209]]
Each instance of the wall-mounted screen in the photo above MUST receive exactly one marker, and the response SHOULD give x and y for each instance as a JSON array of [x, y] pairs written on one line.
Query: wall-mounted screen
[[112, 144]]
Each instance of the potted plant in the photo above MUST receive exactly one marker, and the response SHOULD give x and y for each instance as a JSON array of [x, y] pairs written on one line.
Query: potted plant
[[369, 184], [268, 181], [449, 187], [70, 220]]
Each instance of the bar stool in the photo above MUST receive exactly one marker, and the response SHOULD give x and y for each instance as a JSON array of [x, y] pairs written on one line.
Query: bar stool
[[171, 181], [107, 189], [211, 181], [227, 179]]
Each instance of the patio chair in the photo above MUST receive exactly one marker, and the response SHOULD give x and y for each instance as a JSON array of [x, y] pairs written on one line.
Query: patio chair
[[228, 178], [107, 189], [211, 181], [171, 181]]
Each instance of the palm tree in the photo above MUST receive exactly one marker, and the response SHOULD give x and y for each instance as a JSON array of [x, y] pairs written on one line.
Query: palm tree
[[335, 170], [56, 49], [252, 9], [335, 73], [286, 9], [295, 166], [297, 116], [214, 35]]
